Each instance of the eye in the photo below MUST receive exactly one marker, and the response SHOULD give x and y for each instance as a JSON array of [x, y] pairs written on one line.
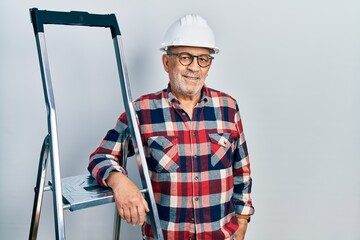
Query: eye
[[185, 57], [203, 58]]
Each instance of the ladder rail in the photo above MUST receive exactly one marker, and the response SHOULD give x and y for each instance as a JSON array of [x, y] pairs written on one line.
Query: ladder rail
[[53, 135], [117, 219], [136, 137], [39, 189]]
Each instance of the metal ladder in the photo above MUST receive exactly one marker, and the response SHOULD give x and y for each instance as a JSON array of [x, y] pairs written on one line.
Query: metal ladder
[[79, 192]]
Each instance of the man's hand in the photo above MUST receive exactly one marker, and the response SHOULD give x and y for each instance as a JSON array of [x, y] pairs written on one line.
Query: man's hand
[[240, 233], [130, 202]]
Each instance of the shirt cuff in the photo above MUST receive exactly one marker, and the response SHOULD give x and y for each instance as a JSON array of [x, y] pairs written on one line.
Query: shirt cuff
[[111, 169]]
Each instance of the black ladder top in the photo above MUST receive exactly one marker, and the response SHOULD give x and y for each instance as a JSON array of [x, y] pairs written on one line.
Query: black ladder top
[[41, 17]]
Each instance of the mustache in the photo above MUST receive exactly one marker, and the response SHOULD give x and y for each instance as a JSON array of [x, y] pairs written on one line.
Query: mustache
[[190, 73]]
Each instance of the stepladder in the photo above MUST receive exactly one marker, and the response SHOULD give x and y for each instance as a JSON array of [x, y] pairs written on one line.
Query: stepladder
[[82, 191]]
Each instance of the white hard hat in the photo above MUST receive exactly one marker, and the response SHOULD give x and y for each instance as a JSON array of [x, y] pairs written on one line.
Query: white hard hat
[[190, 30]]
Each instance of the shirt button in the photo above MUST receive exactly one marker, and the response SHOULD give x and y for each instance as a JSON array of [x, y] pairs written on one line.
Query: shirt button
[[183, 114], [196, 199], [196, 178]]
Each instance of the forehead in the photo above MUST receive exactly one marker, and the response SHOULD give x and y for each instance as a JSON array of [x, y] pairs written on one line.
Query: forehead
[[191, 50]]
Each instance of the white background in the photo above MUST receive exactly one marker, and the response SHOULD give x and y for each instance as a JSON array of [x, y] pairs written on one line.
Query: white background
[[293, 66]]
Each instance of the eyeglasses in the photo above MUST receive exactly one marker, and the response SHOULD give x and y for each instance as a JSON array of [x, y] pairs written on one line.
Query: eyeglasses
[[204, 60]]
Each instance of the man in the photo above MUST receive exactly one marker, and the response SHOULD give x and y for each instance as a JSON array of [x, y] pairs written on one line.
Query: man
[[194, 146]]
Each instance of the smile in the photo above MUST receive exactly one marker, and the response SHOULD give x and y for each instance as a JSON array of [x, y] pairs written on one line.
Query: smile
[[191, 77]]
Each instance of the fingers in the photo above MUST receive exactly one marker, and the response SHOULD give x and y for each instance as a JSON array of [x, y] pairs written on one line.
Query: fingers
[[126, 215], [131, 204], [142, 210], [136, 214], [121, 212], [133, 216]]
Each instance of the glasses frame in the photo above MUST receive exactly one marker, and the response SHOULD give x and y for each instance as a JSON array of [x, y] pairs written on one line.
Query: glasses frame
[[192, 58]]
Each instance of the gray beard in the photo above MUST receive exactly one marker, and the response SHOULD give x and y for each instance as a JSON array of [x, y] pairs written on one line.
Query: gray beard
[[182, 90]]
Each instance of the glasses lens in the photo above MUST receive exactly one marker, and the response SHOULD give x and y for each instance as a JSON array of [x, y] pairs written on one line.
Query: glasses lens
[[185, 58], [204, 60]]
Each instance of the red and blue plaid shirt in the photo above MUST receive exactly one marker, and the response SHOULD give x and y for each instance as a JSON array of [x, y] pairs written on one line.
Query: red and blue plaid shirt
[[198, 165]]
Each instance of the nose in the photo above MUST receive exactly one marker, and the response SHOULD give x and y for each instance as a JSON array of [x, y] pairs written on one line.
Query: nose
[[194, 66]]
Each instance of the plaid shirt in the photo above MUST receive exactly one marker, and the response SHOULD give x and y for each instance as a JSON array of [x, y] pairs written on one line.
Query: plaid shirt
[[199, 166]]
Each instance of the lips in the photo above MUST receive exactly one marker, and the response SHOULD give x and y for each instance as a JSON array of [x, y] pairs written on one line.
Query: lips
[[191, 77]]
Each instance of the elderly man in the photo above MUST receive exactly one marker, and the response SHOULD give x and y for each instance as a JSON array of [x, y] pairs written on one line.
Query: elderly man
[[194, 145]]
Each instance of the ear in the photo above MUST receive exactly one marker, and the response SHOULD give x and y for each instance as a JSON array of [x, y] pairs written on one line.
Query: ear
[[165, 61]]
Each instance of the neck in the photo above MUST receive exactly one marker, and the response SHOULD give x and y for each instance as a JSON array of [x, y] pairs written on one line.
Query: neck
[[188, 103]]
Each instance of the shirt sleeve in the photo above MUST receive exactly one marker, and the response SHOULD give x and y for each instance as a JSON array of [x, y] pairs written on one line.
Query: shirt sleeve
[[108, 156], [241, 171]]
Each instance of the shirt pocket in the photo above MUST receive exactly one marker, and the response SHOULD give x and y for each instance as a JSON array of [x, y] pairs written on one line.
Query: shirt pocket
[[221, 150], [164, 152]]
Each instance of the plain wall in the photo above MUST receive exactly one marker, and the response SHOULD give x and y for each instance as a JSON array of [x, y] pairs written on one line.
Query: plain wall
[[293, 66]]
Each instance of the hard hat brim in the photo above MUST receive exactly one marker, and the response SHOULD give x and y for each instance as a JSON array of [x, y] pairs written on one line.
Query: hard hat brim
[[215, 50]]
